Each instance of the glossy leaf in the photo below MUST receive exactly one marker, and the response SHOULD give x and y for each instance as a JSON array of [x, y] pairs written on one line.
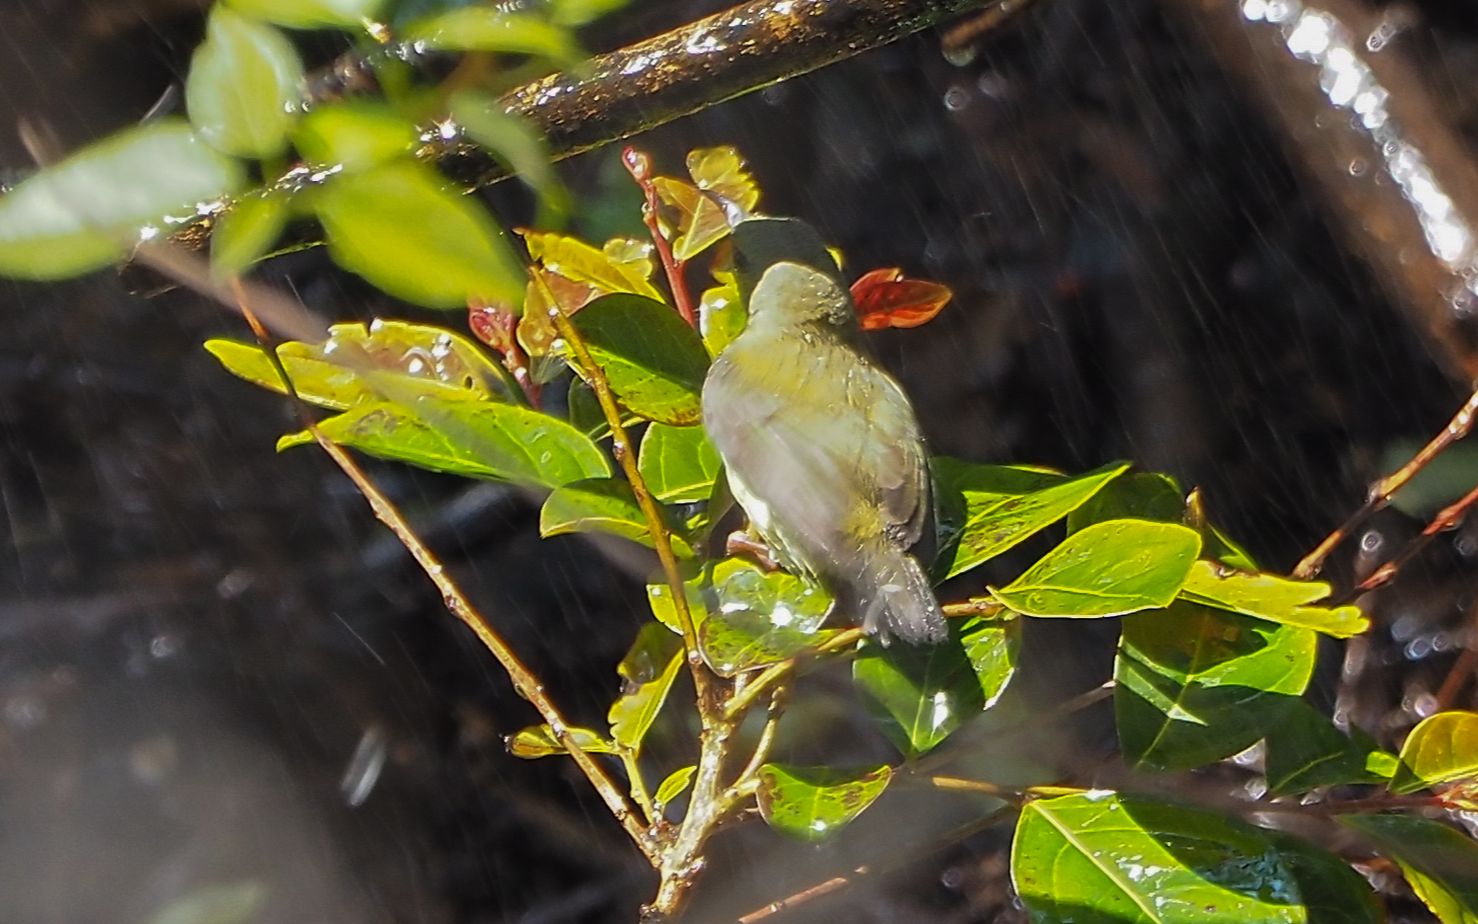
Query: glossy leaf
[[1440, 864], [246, 231], [1332, 892], [385, 361], [654, 362], [1104, 858], [756, 618], [478, 439], [356, 134], [515, 143], [676, 783], [702, 222], [722, 170], [1305, 751], [1195, 684], [488, 27], [310, 14], [678, 464], [921, 695], [814, 803], [987, 509], [1442, 748], [601, 505], [621, 266], [648, 670], [539, 741], [992, 647], [721, 317], [243, 87], [1107, 569], [886, 298], [85, 212], [397, 226], [1273, 598], [1135, 496]]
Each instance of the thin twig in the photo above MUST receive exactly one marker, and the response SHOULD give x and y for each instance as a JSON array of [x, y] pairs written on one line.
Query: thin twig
[[640, 168], [1447, 518], [1383, 490]]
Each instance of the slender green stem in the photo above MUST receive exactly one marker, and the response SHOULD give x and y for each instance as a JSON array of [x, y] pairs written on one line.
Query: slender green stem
[[638, 785]]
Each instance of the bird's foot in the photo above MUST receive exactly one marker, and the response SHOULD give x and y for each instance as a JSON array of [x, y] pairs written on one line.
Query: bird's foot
[[743, 542]]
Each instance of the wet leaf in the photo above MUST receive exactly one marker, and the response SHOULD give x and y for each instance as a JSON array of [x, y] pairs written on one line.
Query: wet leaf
[[219, 903], [515, 143], [488, 27], [1305, 751], [85, 212], [1332, 892], [700, 222], [678, 464], [1135, 496], [654, 362], [621, 266], [1099, 858], [814, 803], [675, 785], [397, 226], [310, 14], [539, 741], [756, 618], [478, 439], [385, 361], [243, 85], [648, 669], [659, 598], [1440, 864], [721, 317], [985, 510], [1441, 749], [722, 170], [1195, 684], [601, 505], [992, 648], [886, 298], [921, 695], [357, 134], [1273, 598], [246, 231], [1107, 569]]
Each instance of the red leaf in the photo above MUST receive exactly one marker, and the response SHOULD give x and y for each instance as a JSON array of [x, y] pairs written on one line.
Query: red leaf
[[885, 298]]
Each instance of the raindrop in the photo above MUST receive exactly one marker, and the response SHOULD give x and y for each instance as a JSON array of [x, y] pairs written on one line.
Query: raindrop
[[956, 98], [1358, 166], [952, 878], [1422, 705], [1371, 541], [163, 646], [1418, 648], [364, 767]]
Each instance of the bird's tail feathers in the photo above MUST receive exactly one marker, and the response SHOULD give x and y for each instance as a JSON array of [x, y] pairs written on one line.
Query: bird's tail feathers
[[903, 604]]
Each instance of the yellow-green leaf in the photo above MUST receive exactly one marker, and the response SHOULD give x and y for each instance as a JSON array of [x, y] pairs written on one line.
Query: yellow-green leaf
[[311, 14], [1273, 598], [490, 27], [814, 803], [243, 85], [621, 266], [648, 670], [1441, 749], [355, 134], [540, 741]]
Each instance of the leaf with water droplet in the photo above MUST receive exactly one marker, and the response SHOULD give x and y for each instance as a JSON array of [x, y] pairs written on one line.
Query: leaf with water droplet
[[492, 28], [1107, 569], [920, 695], [814, 803], [1442, 748], [654, 361], [622, 266], [992, 646], [602, 505], [540, 741], [649, 670], [1276, 599], [678, 464], [721, 317], [757, 618], [1195, 684]]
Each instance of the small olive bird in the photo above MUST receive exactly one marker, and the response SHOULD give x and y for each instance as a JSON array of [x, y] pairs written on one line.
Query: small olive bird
[[821, 446]]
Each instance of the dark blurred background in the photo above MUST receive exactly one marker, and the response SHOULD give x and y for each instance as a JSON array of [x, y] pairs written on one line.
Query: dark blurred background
[[221, 681]]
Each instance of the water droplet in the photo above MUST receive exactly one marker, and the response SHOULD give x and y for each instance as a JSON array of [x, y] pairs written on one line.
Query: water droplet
[[956, 98], [1371, 542], [1358, 166], [960, 55]]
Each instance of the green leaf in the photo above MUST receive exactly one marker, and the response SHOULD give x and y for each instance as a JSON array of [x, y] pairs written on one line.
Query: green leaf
[[1136, 496], [488, 27], [539, 741], [478, 439], [1103, 858], [648, 672], [385, 361], [621, 266], [581, 12], [217, 903], [1273, 598], [919, 694], [1440, 864], [721, 317], [356, 134], [601, 505], [814, 803], [397, 226], [756, 618], [1332, 892], [515, 143], [86, 211], [311, 14], [985, 510], [1107, 569], [654, 361], [659, 598], [243, 87], [1441, 749], [678, 464], [992, 647], [675, 785], [246, 231], [1305, 751], [1195, 684]]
